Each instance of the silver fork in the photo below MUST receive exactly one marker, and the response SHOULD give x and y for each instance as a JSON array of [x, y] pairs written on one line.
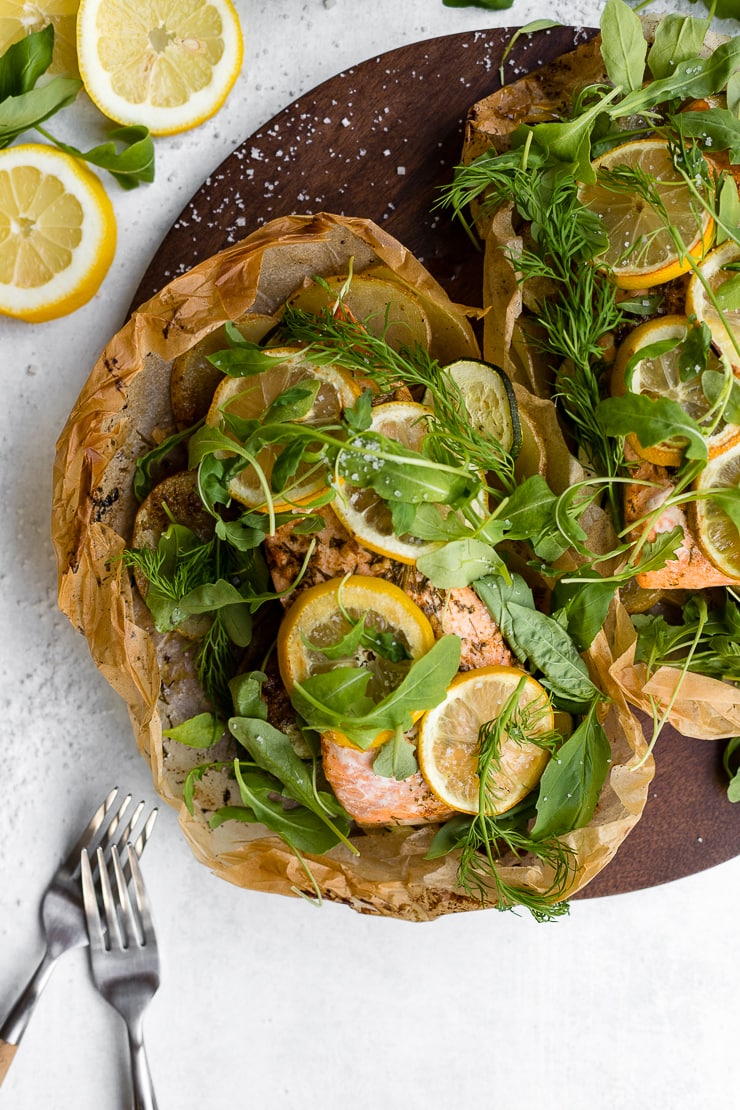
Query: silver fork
[[62, 912], [124, 958]]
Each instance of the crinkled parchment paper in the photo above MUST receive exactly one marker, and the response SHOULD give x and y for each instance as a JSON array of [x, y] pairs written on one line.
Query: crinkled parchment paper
[[122, 411], [700, 707]]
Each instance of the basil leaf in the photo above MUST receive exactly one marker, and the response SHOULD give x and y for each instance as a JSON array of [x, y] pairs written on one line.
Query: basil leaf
[[572, 781], [29, 109], [25, 61], [202, 731], [550, 649], [584, 605], [130, 166], [623, 45]]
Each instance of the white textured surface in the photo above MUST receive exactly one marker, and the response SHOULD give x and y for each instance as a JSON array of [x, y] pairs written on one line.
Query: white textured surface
[[630, 1002]]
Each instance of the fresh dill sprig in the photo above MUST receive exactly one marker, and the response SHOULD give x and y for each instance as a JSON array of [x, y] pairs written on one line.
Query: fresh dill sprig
[[569, 324], [489, 837], [335, 340]]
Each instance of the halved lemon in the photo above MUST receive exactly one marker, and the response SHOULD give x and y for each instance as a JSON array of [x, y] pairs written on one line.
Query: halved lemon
[[19, 18], [725, 323], [642, 252], [449, 739], [318, 619], [249, 398], [166, 64], [715, 532], [57, 233], [659, 375], [385, 308]]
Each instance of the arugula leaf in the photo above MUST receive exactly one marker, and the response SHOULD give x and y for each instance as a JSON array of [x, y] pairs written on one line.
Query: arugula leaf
[[273, 752], [572, 780], [653, 420], [398, 473], [692, 79], [337, 698], [301, 828]]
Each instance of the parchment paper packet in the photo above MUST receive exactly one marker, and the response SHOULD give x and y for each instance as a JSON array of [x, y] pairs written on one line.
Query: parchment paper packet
[[700, 707], [122, 410]]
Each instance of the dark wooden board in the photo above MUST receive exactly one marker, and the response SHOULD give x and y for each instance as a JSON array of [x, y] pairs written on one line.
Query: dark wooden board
[[377, 141]]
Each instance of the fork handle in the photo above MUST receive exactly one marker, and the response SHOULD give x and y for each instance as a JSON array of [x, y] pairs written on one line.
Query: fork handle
[[143, 1088], [15, 1023]]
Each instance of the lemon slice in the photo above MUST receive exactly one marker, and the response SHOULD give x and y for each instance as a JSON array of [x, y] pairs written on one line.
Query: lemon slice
[[659, 375], [449, 739], [383, 307], [168, 66], [57, 233], [715, 532], [724, 324], [19, 18], [249, 398], [361, 510], [317, 620], [641, 251]]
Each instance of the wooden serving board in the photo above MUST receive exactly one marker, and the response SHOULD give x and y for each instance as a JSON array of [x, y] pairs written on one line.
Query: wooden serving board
[[378, 141]]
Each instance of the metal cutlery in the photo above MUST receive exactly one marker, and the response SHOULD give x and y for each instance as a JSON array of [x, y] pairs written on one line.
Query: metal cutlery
[[62, 912], [124, 958]]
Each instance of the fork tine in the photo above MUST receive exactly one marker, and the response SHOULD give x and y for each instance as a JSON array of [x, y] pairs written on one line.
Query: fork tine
[[109, 907], [126, 918], [141, 898], [146, 832], [92, 911], [102, 834], [73, 859]]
